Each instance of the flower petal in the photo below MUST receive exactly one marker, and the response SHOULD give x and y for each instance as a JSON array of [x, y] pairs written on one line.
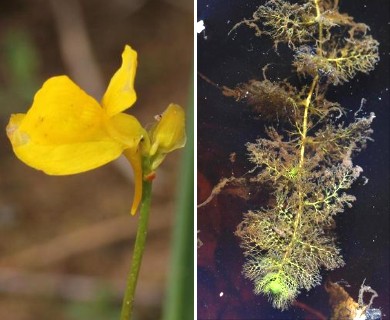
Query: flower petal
[[70, 158], [63, 132], [63, 113], [126, 129], [120, 93]]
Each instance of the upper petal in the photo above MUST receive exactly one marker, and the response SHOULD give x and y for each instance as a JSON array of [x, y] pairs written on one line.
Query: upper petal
[[62, 113], [120, 93]]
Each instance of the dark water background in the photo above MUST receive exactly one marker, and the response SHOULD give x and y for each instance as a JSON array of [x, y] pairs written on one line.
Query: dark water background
[[224, 126]]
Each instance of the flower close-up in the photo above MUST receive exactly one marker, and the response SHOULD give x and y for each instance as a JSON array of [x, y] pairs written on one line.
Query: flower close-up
[[66, 131]]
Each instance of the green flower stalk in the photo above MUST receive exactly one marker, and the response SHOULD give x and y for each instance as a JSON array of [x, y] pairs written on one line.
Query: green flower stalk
[[139, 246]]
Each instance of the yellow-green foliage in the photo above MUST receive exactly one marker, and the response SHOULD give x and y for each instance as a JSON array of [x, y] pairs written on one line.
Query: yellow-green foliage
[[306, 161]]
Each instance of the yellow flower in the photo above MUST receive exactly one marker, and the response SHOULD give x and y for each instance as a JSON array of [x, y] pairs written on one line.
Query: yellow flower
[[66, 131], [167, 135]]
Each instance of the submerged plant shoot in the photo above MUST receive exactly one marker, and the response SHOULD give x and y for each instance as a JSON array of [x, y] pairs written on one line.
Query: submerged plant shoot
[[306, 159]]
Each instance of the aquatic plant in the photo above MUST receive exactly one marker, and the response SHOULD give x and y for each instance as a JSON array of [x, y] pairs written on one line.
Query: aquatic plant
[[307, 158]]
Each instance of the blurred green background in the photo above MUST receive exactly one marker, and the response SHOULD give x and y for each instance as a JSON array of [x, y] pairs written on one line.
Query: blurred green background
[[66, 242]]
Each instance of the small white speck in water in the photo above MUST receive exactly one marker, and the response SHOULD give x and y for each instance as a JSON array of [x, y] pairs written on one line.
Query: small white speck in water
[[200, 26]]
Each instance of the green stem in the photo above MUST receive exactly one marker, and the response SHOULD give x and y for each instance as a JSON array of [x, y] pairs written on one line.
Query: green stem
[[128, 299]]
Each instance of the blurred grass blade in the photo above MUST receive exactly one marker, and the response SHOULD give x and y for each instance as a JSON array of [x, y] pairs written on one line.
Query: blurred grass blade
[[180, 290]]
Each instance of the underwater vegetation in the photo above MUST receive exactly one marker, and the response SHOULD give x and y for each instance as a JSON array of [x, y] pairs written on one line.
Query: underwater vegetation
[[306, 159]]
